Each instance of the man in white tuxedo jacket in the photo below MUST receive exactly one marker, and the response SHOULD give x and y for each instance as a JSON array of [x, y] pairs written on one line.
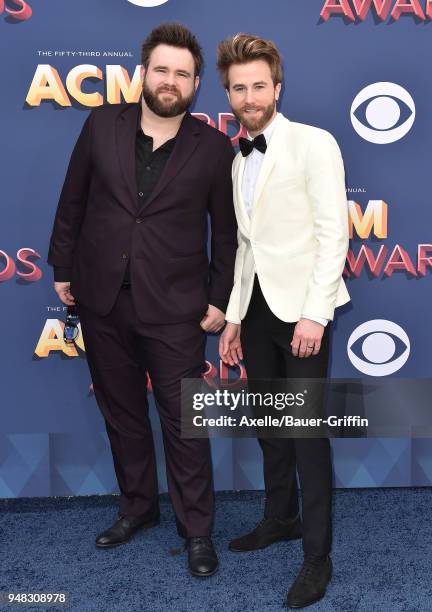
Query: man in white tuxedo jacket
[[291, 208]]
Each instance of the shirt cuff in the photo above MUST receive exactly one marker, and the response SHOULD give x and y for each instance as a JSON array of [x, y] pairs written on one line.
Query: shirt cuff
[[316, 319], [62, 275]]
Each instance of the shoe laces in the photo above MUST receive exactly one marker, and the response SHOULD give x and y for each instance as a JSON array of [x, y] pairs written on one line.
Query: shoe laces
[[310, 564], [201, 541], [262, 522]]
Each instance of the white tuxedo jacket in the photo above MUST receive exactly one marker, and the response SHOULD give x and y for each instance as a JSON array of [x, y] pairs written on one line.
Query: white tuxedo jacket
[[296, 239]]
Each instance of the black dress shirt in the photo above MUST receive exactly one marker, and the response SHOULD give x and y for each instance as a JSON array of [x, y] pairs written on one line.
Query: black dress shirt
[[149, 167]]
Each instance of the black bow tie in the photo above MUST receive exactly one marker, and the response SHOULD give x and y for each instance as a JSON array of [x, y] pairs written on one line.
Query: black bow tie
[[247, 146]]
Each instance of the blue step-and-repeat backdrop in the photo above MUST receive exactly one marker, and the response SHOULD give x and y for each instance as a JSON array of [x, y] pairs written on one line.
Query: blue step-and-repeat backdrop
[[358, 68]]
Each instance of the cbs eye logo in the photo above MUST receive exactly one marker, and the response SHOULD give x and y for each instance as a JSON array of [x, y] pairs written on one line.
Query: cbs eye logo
[[383, 106], [148, 3], [378, 342]]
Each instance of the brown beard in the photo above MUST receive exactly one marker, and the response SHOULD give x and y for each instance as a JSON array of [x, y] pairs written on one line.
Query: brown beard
[[166, 109], [255, 125]]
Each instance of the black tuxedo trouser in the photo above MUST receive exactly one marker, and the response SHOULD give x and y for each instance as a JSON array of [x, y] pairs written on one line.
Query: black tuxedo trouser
[[121, 351], [267, 354]]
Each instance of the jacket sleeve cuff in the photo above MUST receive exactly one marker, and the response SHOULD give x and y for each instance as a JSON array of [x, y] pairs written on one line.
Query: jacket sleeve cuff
[[218, 303], [62, 275]]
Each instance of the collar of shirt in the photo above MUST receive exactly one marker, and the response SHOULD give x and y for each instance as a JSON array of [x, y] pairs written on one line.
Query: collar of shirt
[[168, 145], [253, 163], [268, 132]]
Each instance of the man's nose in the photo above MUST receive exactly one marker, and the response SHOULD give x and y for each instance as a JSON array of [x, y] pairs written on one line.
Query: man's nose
[[249, 96], [170, 79]]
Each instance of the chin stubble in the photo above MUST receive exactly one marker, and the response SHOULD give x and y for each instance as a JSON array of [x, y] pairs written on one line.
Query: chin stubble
[[255, 126]]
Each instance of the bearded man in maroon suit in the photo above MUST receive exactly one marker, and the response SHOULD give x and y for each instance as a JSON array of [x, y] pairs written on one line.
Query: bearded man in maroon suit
[[129, 249]]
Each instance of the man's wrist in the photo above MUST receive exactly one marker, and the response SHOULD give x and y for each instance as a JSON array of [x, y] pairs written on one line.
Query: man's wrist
[[319, 320]]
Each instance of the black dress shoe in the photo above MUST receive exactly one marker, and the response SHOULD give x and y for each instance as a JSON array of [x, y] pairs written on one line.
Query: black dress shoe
[[123, 529], [202, 556], [311, 583], [267, 532]]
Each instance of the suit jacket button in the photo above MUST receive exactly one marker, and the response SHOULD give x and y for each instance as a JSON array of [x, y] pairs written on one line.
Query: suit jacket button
[[138, 220], [125, 255]]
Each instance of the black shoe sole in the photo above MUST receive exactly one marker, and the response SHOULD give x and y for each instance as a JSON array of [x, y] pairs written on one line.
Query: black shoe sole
[[143, 527], [245, 550], [310, 603]]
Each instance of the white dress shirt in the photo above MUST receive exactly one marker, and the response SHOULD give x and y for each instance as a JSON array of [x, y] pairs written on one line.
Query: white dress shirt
[[251, 171]]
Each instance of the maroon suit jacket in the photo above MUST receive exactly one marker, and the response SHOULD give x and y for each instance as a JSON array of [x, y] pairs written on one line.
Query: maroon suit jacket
[[100, 225]]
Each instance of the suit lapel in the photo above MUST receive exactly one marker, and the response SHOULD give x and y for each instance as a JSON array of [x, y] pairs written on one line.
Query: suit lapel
[[269, 161], [186, 143], [126, 128], [238, 187]]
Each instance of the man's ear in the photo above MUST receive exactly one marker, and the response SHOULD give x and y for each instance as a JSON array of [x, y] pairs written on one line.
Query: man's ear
[[228, 95], [197, 82], [142, 73], [278, 88]]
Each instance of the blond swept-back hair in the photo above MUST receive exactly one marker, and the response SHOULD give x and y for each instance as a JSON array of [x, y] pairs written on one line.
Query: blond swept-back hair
[[245, 48]]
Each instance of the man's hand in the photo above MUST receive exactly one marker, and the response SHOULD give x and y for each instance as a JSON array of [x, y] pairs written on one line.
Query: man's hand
[[230, 350], [307, 338], [63, 291], [213, 320]]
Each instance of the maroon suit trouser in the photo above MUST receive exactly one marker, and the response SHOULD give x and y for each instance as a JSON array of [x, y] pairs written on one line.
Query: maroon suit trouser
[[120, 351]]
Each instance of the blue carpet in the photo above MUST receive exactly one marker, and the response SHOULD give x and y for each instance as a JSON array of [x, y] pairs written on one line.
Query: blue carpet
[[382, 555]]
